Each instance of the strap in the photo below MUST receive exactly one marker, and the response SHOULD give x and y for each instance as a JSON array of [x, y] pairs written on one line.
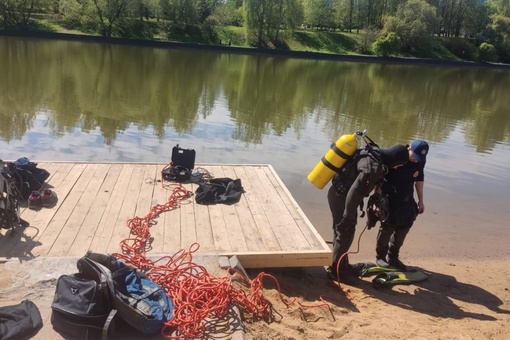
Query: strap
[[109, 321], [329, 165]]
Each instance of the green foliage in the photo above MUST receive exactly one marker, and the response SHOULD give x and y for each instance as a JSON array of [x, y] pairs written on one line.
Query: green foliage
[[136, 29], [17, 14], [272, 24], [319, 13], [233, 34], [388, 45], [414, 21], [191, 34], [487, 53], [460, 47], [369, 35]]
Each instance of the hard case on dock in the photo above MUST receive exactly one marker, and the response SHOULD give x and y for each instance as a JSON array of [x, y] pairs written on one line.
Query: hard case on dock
[[183, 157]]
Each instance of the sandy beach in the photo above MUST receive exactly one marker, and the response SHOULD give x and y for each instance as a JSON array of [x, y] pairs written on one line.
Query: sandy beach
[[461, 299]]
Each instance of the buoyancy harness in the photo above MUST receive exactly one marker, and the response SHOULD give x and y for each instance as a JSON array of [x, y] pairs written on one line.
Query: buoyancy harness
[[9, 199], [344, 177], [378, 209]]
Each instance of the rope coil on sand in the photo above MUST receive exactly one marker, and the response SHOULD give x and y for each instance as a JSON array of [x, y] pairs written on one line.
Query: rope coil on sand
[[196, 294]]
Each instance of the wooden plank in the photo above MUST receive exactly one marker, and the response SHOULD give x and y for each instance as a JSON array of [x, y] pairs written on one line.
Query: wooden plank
[[121, 229], [74, 226], [266, 228], [79, 183], [232, 221], [159, 198], [144, 203], [274, 216], [307, 229], [257, 211], [92, 221], [281, 212], [251, 233], [301, 258], [188, 224], [109, 219], [172, 227]]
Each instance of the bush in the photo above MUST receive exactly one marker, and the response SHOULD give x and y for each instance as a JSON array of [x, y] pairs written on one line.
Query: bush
[[388, 45], [486, 52]]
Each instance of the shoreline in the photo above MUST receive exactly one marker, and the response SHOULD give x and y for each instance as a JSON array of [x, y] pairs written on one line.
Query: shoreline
[[247, 50]]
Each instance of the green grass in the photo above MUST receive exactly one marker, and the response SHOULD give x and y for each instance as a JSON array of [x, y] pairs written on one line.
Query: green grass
[[326, 42], [299, 40]]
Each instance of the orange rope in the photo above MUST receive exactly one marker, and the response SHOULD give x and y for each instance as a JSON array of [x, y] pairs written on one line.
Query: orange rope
[[196, 294]]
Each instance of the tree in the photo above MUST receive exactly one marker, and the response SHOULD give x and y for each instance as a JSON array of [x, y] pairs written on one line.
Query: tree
[[319, 13], [265, 18], [486, 52], [256, 14], [501, 24], [180, 11], [108, 14], [346, 14], [388, 45], [413, 22], [17, 13]]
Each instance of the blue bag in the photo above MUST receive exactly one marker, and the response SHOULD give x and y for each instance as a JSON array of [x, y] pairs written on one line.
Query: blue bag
[[139, 301]]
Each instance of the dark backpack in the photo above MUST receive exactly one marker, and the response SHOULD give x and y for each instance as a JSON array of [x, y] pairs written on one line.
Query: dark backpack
[[21, 321], [87, 302], [82, 308], [219, 190], [28, 177]]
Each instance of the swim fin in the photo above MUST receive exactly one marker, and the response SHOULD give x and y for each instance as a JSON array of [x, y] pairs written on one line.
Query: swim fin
[[394, 278], [369, 269]]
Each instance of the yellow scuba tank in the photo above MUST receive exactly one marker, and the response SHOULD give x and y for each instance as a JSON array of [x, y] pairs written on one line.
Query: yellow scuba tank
[[333, 160]]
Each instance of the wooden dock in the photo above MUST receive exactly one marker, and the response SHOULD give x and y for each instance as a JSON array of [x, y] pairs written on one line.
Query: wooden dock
[[266, 228]]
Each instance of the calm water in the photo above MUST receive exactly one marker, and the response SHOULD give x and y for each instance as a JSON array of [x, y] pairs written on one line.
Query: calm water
[[78, 101]]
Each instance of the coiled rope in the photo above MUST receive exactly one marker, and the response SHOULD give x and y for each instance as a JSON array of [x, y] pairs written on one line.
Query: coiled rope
[[196, 294]]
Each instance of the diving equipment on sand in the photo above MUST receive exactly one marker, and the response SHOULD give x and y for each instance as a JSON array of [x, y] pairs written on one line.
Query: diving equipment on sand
[[333, 160], [389, 276], [395, 278]]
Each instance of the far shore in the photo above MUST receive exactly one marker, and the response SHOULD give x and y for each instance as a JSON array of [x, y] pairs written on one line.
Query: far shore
[[247, 50]]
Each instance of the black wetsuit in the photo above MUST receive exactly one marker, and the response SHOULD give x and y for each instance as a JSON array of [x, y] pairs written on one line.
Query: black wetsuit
[[399, 185], [348, 190]]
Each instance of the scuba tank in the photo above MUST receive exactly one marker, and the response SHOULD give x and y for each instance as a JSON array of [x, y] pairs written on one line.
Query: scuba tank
[[333, 160]]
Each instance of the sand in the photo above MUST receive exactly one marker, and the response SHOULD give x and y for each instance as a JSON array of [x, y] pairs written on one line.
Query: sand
[[461, 299]]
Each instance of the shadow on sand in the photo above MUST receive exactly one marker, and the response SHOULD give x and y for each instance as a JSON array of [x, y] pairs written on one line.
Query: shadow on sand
[[436, 297]]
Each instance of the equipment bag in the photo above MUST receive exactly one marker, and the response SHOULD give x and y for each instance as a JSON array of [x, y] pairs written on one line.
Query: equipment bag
[[176, 173], [140, 302], [28, 177], [219, 190], [21, 321], [81, 308]]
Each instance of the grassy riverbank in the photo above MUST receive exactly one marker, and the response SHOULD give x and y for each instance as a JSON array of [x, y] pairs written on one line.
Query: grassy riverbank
[[324, 42], [299, 43]]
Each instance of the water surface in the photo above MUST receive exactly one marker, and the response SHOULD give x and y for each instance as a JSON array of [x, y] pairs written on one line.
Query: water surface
[[82, 101]]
